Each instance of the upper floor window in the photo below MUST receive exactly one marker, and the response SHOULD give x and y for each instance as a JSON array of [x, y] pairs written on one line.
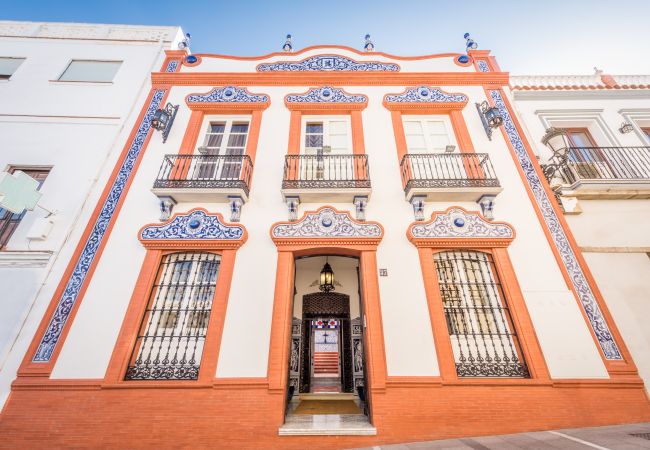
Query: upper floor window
[[483, 337], [91, 71], [226, 137], [169, 345], [10, 221], [646, 131], [426, 135], [580, 137], [327, 135], [8, 66]]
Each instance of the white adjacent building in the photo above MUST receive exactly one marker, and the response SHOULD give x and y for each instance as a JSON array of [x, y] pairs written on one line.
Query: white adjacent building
[[70, 93], [604, 186]]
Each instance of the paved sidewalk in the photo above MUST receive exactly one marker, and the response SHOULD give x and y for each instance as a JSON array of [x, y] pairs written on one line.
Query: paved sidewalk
[[617, 437]]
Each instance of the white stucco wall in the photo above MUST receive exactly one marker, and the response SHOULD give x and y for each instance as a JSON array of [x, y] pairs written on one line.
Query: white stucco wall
[[76, 128], [564, 336]]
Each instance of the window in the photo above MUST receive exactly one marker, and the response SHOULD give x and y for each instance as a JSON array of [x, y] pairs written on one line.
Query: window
[[10, 221], [91, 71], [482, 334], [426, 135], [170, 343], [8, 66], [225, 142], [326, 136], [646, 131]]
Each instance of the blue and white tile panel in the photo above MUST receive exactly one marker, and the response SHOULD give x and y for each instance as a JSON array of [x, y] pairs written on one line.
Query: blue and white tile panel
[[227, 94], [193, 225], [424, 94], [577, 276], [329, 63], [326, 94], [97, 235], [482, 65]]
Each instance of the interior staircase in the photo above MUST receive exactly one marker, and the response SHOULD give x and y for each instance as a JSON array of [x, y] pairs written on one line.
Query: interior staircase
[[326, 364]]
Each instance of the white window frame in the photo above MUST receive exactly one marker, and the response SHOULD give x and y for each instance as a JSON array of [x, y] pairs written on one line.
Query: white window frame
[[444, 118], [67, 66], [229, 121], [326, 120]]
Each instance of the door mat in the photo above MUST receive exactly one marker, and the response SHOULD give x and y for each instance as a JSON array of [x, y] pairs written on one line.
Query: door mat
[[327, 407]]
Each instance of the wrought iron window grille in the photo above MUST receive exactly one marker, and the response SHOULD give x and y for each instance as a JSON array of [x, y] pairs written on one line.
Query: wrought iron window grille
[[172, 333], [483, 336], [325, 171]]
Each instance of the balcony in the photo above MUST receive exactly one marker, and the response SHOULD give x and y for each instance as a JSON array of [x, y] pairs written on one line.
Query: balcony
[[326, 178], [449, 176], [204, 178], [606, 172]]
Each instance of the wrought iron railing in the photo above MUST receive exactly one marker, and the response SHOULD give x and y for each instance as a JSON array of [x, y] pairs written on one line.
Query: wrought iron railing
[[606, 163], [325, 171], [444, 170], [205, 171]]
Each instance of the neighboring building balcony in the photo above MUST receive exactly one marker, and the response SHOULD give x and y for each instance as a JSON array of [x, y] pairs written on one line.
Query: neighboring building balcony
[[449, 176], [606, 172], [204, 178], [326, 178]]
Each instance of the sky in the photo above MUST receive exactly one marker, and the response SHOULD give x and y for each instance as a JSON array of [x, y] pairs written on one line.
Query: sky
[[527, 37]]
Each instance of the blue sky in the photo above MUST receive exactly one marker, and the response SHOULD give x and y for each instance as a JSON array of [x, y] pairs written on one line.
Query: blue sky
[[540, 37]]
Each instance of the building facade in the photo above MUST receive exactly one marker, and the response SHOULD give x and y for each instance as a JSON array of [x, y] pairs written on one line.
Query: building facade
[[316, 225], [604, 186], [70, 96]]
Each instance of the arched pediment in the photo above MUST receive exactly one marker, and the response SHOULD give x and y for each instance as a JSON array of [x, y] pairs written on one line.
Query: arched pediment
[[425, 96], [457, 226], [227, 96], [328, 63], [325, 94]]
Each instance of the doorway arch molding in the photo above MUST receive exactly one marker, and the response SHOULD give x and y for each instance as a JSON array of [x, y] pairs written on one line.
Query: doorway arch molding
[[326, 231]]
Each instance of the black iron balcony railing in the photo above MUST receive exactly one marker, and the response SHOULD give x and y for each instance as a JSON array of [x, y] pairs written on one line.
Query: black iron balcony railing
[[606, 163], [205, 171], [447, 170], [321, 171]]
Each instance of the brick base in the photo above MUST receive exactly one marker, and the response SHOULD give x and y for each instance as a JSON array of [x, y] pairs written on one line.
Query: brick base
[[60, 414]]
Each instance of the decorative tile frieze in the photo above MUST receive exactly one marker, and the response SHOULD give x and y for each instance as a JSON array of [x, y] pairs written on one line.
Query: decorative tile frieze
[[172, 66], [82, 265], [424, 94], [227, 94], [483, 65], [325, 94], [458, 223], [326, 223], [328, 63], [196, 224], [560, 239]]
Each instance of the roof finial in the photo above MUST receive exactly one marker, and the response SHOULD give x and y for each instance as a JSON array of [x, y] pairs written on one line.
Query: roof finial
[[288, 46], [470, 44], [369, 46], [598, 71]]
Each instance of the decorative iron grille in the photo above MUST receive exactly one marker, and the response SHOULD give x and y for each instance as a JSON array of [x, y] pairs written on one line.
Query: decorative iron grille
[[444, 170], [483, 336], [606, 163], [172, 333], [205, 171], [325, 171]]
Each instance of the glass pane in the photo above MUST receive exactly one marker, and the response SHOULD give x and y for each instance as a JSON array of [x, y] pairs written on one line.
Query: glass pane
[[314, 140], [411, 127], [214, 140], [98, 71], [239, 128], [217, 128], [237, 140], [580, 139], [9, 65], [314, 128]]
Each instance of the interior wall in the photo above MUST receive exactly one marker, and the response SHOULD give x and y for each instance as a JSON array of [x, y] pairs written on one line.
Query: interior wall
[[345, 272]]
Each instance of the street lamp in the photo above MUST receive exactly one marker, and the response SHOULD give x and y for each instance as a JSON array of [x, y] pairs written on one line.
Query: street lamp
[[557, 140], [490, 117], [163, 119]]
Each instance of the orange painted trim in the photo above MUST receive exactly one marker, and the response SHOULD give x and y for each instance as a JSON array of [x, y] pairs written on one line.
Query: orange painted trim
[[496, 79], [29, 368], [460, 64], [226, 107], [484, 55], [254, 135], [614, 368], [171, 55], [461, 132], [192, 133], [512, 297], [358, 143], [127, 338], [324, 46], [295, 132]]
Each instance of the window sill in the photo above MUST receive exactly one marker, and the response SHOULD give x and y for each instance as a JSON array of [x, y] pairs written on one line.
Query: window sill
[[84, 83], [24, 259]]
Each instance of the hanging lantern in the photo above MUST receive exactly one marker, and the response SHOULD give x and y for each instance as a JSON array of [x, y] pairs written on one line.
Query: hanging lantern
[[163, 119], [326, 278], [557, 140]]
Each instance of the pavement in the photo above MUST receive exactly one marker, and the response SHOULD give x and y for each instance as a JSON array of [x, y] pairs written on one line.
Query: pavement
[[616, 437]]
